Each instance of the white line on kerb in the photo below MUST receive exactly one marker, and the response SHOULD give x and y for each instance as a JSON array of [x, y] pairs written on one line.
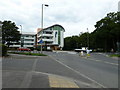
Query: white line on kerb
[[79, 73]]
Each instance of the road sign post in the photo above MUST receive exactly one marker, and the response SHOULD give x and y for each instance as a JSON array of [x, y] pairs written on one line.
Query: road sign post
[[40, 42]]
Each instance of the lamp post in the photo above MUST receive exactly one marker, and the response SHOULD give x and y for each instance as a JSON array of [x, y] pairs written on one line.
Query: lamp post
[[42, 22], [21, 37], [1, 41], [87, 38]]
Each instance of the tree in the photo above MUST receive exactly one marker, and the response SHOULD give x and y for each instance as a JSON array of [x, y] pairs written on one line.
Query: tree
[[105, 37], [10, 32], [107, 31], [67, 43], [71, 43], [83, 39]]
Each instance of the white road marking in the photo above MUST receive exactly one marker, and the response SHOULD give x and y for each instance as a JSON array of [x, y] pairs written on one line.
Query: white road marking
[[71, 52], [111, 63], [102, 61], [79, 73]]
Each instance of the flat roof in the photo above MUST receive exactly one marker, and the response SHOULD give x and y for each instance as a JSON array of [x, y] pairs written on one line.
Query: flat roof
[[29, 33]]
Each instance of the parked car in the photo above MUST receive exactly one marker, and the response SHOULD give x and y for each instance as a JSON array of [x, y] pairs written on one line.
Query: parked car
[[24, 49]]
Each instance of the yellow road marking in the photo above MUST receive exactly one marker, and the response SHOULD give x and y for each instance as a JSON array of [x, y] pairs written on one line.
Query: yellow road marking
[[59, 82]]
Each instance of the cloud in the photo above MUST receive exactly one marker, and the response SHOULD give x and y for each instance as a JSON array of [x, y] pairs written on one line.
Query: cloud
[[74, 15]]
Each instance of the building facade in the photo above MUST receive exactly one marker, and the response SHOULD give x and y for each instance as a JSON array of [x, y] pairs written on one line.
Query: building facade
[[28, 40], [52, 37]]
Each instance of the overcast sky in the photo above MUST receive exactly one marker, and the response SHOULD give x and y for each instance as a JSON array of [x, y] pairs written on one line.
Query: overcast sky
[[74, 15]]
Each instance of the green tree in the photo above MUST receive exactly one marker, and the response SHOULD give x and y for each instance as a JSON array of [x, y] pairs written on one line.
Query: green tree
[[83, 39], [105, 37], [107, 31], [10, 32], [67, 43], [71, 43]]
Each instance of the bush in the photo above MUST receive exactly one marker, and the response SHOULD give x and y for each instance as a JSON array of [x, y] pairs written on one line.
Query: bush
[[31, 48], [4, 50], [114, 55]]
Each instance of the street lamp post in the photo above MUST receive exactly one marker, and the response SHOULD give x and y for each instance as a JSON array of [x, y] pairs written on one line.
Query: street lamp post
[[42, 22], [21, 37], [87, 38], [1, 32]]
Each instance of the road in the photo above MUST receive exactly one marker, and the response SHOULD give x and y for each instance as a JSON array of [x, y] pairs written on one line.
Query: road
[[97, 71], [98, 67]]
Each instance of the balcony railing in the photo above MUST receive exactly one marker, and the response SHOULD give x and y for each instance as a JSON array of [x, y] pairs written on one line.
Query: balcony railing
[[49, 40], [46, 35]]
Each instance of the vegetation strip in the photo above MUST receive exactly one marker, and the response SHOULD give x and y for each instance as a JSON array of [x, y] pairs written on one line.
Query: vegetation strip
[[114, 55], [29, 53]]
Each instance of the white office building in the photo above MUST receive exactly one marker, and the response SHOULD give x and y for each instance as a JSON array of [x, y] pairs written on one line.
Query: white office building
[[52, 37], [27, 40]]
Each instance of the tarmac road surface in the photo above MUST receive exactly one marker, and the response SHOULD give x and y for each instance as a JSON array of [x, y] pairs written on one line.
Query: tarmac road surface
[[58, 70]]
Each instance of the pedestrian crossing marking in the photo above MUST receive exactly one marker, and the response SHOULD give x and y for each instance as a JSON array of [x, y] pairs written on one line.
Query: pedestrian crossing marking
[[59, 82]]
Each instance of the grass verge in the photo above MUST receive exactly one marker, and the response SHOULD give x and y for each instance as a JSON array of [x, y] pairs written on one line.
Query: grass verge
[[114, 55], [28, 53]]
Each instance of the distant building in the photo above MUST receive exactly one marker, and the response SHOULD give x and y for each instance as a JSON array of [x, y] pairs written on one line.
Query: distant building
[[38, 30], [53, 37], [27, 40]]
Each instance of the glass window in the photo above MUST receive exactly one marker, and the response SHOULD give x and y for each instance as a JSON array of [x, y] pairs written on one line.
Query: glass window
[[28, 43], [29, 40]]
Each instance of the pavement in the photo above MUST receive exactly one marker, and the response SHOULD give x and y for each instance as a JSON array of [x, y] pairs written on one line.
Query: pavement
[[19, 79]]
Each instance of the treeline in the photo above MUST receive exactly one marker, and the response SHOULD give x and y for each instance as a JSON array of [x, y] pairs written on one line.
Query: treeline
[[105, 37]]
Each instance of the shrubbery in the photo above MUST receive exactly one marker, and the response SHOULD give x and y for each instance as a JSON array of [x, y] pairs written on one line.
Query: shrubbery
[[29, 53], [3, 48]]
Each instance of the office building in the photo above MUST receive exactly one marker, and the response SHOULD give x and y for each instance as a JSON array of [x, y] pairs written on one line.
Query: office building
[[52, 37], [28, 40]]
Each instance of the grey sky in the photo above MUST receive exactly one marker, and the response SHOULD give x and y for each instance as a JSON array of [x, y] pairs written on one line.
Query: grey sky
[[74, 15]]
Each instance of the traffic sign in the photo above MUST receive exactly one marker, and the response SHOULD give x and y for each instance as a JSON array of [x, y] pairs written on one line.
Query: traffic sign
[[41, 41]]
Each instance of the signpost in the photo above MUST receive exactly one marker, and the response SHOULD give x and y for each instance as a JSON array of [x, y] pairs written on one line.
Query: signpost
[[40, 42]]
